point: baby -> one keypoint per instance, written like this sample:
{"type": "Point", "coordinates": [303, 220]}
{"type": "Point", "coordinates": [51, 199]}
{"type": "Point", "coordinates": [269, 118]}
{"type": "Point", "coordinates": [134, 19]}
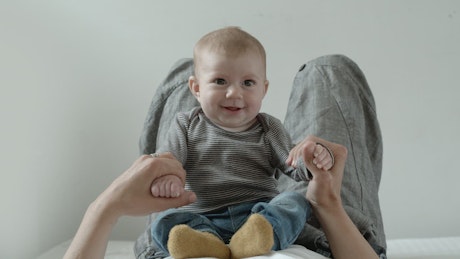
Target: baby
{"type": "Point", "coordinates": [232, 153]}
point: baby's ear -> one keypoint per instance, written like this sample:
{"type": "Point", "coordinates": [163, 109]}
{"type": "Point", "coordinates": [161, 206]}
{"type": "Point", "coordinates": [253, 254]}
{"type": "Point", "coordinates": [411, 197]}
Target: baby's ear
{"type": "Point", "coordinates": [266, 83]}
{"type": "Point", "coordinates": [194, 86]}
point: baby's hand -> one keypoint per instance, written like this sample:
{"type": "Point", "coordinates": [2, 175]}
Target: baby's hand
{"type": "Point", "coordinates": [322, 157]}
{"type": "Point", "coordinates": [168, 186]}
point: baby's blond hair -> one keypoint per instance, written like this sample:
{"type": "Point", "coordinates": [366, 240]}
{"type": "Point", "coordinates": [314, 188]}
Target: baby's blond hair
{"type": "Point", "coordinates": [232, 41]}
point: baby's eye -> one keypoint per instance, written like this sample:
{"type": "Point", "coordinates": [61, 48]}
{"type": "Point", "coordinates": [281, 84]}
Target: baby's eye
{"type": "Point", "coordinates": [249, 82]}
{"type": "Point", "coordinates": [220, 81]}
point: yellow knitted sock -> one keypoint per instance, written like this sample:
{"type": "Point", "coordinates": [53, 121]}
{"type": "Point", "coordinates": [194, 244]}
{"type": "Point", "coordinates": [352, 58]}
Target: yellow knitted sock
{"type": "Point", "coordinates": [254, 238]}
{"type": "Point", "coordinates": [185, 242]}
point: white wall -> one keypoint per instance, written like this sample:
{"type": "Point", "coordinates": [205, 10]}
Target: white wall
{"type": "Point", "coordinates": [77, 77]}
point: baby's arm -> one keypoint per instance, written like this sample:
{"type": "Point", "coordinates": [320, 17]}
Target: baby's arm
{"type": "Point", "coordinates": [168, 186]}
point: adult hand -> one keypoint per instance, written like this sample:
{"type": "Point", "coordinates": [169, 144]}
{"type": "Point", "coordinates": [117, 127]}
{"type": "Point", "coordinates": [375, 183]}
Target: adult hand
{"type": "Point", "coordinates": [324, 189]}
{"type": "Point", "coordinates": [323, 192]}
{"type": "Point", "coordinates": [130, 194]}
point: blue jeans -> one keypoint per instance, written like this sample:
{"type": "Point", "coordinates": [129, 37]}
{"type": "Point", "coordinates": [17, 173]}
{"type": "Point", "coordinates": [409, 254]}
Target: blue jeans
{"type": "Point", "coordinates": [287, 213]}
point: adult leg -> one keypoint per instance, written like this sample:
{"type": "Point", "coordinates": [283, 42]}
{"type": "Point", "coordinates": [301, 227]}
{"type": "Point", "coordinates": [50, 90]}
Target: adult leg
{"type": "Point", "coordinates": [171, 97]}
{"type": "Point", "coordinates": [331, 99]}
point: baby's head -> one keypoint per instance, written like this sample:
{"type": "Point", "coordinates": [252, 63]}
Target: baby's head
{"type": "Point", "coordinates": [230, 77]}
{"type": "Point", "coordinates": [228, 41]}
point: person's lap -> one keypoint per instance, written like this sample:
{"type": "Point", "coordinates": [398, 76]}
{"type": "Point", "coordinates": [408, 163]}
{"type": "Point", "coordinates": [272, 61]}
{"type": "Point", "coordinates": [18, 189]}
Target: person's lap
{"type": "Point", "coordinates": [330, 99]}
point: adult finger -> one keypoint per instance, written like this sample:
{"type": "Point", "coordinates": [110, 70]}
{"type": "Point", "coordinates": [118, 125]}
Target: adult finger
{"type": "Point", "coordinates": [163, 164]}
{"type": "Point", "coordinates": [339, 152]}
{"type": "Point", "coordinates": [160, 204]}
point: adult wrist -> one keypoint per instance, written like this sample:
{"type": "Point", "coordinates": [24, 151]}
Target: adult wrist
{"type": "Point", "coordinates": [103, 211]}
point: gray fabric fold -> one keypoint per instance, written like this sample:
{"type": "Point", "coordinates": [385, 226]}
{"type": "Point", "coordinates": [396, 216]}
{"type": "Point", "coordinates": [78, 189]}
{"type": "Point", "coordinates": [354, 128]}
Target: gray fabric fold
{"type": "Point", "coordinates": [331, 99]}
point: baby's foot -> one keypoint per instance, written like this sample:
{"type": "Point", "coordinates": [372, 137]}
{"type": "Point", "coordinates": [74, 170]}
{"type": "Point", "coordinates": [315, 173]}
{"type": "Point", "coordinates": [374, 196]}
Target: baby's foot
{"type": "Point", "coordinates": [167, 186]}
{"type": "Point", "coordinates": [254, 238]}
{"type": "Point", "coordinates": [185, 242]}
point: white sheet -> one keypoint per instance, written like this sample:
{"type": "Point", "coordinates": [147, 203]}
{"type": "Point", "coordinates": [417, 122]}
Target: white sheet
{"type": "Point", "coordinates": [293, 252]}
{"type": "Point", "coordinates": [424, 248]}
{"type": "Point", "coordinates": [420, 248]}
{"type": "Point", "coordinates": [124, 250]}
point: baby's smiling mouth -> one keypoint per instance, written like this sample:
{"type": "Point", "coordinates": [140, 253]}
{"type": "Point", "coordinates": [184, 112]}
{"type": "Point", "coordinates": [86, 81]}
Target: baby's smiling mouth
{"type": "Point", "coordinates": [232, 108]}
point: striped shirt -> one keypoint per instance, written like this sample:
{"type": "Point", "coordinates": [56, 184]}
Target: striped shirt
{"type": "Point", "coordinates": [225, 168]}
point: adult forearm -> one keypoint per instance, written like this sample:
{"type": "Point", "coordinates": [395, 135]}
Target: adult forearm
{"type": "Point", "coordinates": [344, 238]}
{"type": "Point", "coordinates": [92, 237]}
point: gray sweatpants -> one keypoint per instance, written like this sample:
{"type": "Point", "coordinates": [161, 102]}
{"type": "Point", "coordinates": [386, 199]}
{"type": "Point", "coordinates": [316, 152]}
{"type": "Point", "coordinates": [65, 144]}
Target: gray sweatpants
{"type": "Point", "coordinates": [330, 99]}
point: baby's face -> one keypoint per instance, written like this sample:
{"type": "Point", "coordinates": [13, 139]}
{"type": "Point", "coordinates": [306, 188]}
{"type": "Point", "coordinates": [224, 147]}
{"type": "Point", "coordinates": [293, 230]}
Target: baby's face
{"type": "Point", "coordinates": [230, 89]}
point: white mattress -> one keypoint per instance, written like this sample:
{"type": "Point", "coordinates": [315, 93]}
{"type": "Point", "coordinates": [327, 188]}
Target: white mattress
{"type": "Point", "coordinates": [124, 250]}
{"type": "Point", "coordinates": [424, 248]}
{"type": "Point", "coordinates": [420, 248]}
